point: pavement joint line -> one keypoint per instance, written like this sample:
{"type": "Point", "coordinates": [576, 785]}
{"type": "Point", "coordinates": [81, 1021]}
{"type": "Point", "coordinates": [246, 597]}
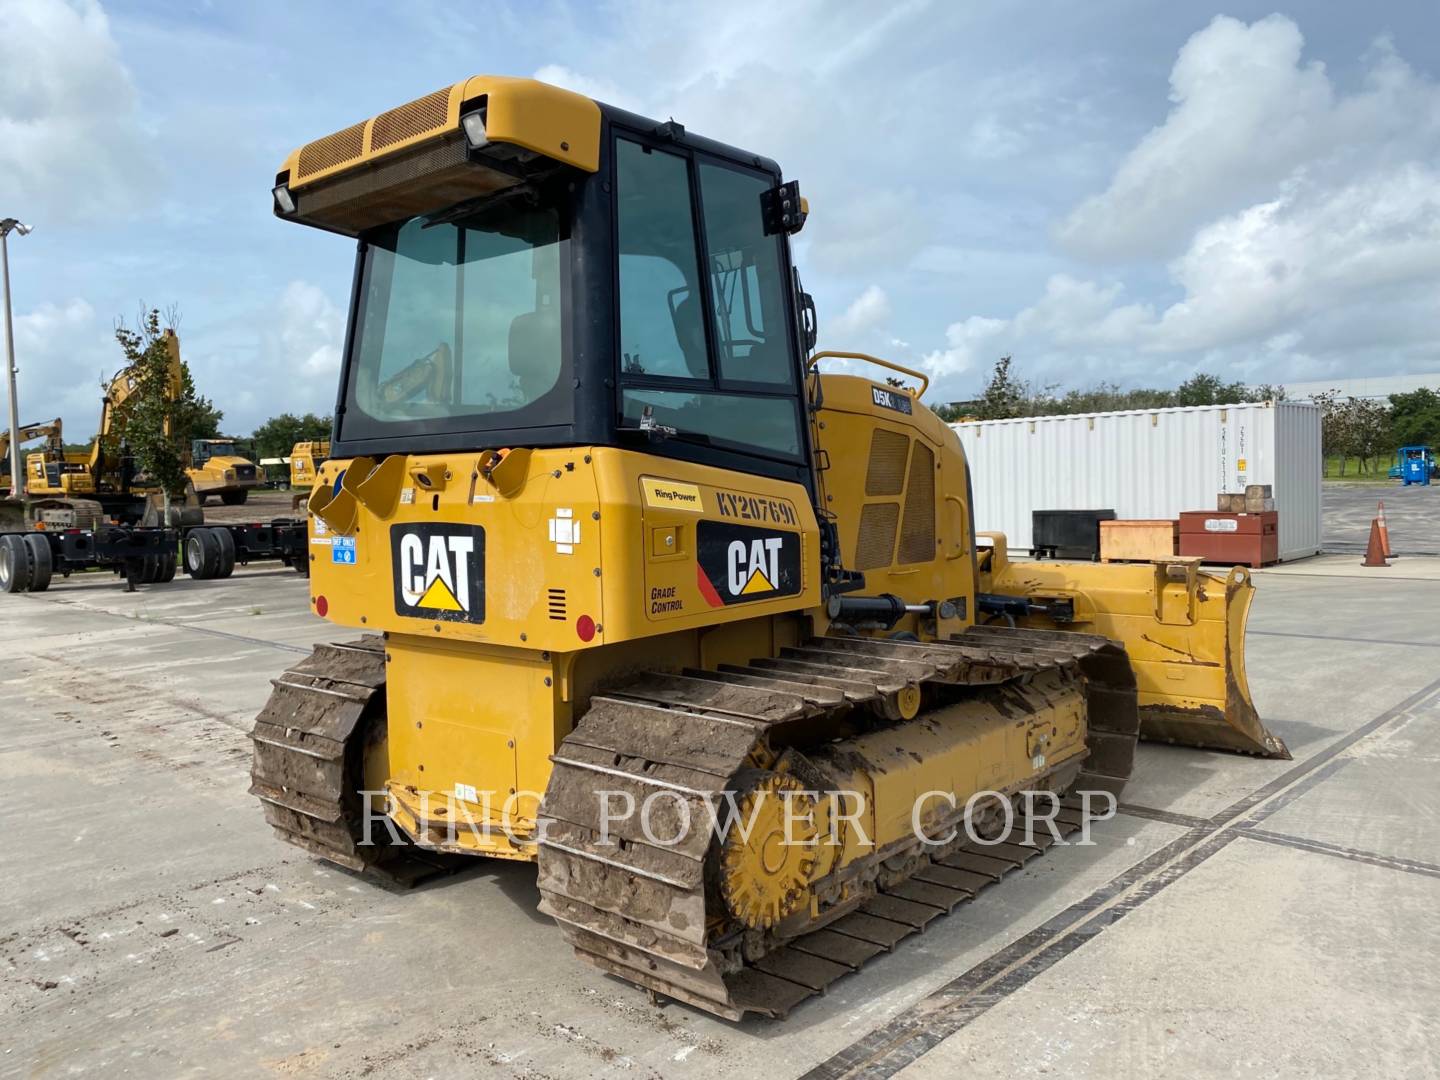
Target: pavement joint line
{"type": "Point", "coordinates": [1321, 759]}
{"type": "Point", "coordinates": [928, 1022]}
{"type": "Point", "coordinates": [1150, 813]}
{"type": "Point", "coordinates": [1321, 847]}
{"type": "Point", "coordinates": [176, 625]}
{"type": "Point", "coordinates": [1352, 640]}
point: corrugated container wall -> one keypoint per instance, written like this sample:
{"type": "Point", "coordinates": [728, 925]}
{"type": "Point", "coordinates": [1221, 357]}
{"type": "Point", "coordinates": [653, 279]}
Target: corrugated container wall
{"type": "Point", "coordinates": [1148, 464]}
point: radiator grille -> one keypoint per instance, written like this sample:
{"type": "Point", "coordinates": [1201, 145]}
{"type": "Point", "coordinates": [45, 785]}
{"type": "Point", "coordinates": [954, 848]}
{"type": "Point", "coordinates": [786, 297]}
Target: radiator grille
{"type": "Point", "coordinates": [556, 602]}
{"type": "Point", "coordinates": [330, 151]}
{"type": "Point", "coordinates": [427, 114]}
{"type": "Point", "coordinates": [917, 539]}
{"type": "Point", "coordinates": [886, 474]}
{"type": "Point", "coordinates": [875, 544]}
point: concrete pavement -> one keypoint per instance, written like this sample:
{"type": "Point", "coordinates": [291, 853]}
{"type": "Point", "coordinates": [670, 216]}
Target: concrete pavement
{"type": "Point", "coordinates": [1240, 916]}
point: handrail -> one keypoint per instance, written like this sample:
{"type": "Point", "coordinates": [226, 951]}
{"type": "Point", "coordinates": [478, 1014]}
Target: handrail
{"type": "Point", "coordinates": [924, 379]}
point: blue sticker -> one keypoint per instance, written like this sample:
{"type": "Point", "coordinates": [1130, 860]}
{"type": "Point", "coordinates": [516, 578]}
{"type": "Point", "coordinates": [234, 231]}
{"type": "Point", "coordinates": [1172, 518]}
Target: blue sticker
{"type": "Point", "coordinates": [342, 550]}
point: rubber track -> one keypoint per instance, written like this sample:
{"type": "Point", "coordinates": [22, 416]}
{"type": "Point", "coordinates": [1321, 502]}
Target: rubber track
{"type": "Point", "coordinates": [639, 911]}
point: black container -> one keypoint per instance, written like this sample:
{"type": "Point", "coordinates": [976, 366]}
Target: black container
{"type": "Point", "coordinates": [1067, 534]}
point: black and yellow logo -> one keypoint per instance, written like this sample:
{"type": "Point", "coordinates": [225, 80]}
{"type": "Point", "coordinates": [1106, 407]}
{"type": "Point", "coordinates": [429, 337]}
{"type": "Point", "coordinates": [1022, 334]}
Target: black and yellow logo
{"type": "Point", "coordinates": [439, 571]}
{"type": "Point", "coordinates": [737, 563]}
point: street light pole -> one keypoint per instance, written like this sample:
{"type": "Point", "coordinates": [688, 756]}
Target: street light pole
{"type": "Point", "coordinates": [17, 476]}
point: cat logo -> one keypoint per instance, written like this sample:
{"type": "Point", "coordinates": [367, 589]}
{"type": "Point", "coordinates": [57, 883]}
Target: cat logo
{"type": "Point", "coordinates": [737, 563]}
{"type": "Point", "coordinates": [439, 571]}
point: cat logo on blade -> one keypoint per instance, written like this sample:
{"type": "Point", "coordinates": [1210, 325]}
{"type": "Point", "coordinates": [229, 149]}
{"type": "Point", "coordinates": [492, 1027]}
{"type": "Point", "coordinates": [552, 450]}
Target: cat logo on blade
{"type": "Point", "coordinates": [439, 571]}
{"type": "Point", "coordinates": [737, 564]}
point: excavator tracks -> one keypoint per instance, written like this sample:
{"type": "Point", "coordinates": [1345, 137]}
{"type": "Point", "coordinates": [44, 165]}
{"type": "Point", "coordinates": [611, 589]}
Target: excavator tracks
{"type": "Point", "coordinates": [654, 916]}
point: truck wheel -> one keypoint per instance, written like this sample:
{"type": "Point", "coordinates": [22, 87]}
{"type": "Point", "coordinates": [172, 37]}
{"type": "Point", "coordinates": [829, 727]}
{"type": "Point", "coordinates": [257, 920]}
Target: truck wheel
{"type": "Point", "coordinates": [167, 569]}
{"type": "Point", "coordinates": [41, 564]}
{"type": "Point", "coordinates": [14, 564]}
{"type": "Point", "coordinates": [301, 563]}
{"type": "Point", "coordinates": [202, 554]}
{"type": "Point", "coordinates": [234, 498]}
{"type": "Point", "coordinates": [227, 551]}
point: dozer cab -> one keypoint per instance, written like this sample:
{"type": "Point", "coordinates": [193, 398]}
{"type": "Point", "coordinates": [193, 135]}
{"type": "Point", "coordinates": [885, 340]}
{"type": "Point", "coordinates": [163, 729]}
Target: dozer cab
{"type": "Point", "coordinates": [633, 564]}
{"type": "Point", "coordinates": [219, 468]}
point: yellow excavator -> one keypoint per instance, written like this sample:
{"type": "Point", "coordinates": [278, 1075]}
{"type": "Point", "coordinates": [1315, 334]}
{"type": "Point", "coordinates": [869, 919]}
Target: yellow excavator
{"type": "Point", "coordinates": [52, 431]}
{"type": "Point", "coordinates": [634, 563]}
{"type": "Point", "coordinates": [82, 489]}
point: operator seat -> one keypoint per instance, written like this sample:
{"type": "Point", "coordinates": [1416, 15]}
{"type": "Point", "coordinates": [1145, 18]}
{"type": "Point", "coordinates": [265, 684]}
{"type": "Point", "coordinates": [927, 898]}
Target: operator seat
{"type": "Point", "coordinates": [535, 351]}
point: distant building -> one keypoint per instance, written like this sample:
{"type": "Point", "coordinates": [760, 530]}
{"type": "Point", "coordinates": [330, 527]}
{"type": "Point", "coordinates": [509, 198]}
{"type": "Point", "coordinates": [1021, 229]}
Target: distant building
{"type": "Point", "coordinates": [1377, 386]}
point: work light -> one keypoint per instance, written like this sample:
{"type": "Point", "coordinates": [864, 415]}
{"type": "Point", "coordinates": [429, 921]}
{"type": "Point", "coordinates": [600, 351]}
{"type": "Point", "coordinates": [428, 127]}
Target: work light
{"type": "Point", "coordinates": [474, 125]}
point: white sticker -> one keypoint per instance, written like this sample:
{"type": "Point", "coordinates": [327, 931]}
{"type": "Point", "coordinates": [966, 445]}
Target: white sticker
{"type": "Point", "coordinates": [323, 541]}
{"type": "Point", "coordinates": [321, 529]}
{"type": "Point", "coordinates": [407, 496]}
{"type": "Point", "coordinates": [1221, 525]}
{"type": "Point", "coordinates": [564, 531]}
{"type": "Point", "coordinates": [483, 498]}
{"type": "Point", "coordinates": [467, 792]}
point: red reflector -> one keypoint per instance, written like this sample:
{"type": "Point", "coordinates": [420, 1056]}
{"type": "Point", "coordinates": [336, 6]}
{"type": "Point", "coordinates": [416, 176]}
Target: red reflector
{"type": "Point", "coordinates": [322, 606]}
{"type": "Point", "coordinates": [585, 628]}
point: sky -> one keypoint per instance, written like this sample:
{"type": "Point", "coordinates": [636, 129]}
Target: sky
{"type": "Point", "coordinates": [1118, 190]}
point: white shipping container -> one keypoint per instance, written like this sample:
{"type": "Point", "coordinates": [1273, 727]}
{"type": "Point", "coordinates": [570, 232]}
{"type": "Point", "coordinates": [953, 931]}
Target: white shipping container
{"type": "Point", "coordinates": [1148, 463]}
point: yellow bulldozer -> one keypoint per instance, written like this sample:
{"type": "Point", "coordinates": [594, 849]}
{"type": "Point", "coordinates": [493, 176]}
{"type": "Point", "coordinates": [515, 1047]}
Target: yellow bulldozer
{"type": "Point", "coordinates": [636, 564]}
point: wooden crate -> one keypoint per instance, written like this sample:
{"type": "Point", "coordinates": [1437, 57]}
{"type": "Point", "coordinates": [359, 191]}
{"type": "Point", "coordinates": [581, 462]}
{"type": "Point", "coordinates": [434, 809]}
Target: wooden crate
{"type": "Point", "coordinates": [1140, 541]}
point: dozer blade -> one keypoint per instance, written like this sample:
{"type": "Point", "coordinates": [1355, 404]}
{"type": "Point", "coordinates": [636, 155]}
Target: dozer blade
{"type": "Point", "coordinates": [1183, 628]}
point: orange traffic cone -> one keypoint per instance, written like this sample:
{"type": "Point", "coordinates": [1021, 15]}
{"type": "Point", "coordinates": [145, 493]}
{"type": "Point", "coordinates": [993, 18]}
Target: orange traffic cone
{"type": "Point", "coordinates": [1384, 532]}
{"type": "Point", "coordinates": [1375, 551]}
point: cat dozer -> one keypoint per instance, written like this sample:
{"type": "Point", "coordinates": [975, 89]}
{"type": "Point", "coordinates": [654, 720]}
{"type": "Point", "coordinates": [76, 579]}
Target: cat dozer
{"type": "Point", "coordinates": [658, 599]}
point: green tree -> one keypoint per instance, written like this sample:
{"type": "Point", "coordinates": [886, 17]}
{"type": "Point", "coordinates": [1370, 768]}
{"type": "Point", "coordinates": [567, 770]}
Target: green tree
{"type": "Point", "coordinates": [1415, 418]}
{"type": "Point", "coordinates": [276, 436]}
{"type": "Point", "coordinates": [1202, 388]}
{"type": "Point", "coordinates": [1004, 395]}
{"type": "Point", "coordinates": [164, 409]}
{"type": "Point", "coordinates": [1367, 430]}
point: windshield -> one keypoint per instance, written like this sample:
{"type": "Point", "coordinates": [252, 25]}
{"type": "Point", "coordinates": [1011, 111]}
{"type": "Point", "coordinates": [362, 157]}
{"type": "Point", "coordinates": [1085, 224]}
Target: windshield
{"type": "Point", "coordinates": [460, 324]}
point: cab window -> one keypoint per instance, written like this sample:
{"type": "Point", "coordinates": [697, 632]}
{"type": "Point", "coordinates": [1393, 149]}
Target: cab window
{"type": "Point", "coordinates": [703, 341]}
{"type": "Point", "coordinates": [662, 330]}
{"type": "Point", "coordinates": [746, 280]}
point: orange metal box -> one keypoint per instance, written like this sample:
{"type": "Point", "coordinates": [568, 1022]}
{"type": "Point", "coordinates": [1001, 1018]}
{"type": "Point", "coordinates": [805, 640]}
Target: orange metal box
{"type": "Point", "coordinates": [1231, 539]}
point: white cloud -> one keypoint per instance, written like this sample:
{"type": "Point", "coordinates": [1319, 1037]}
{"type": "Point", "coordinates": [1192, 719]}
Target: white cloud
{"type": "Point", "coordinates": [969, 344]}
{"type": "Point", "coordinates": [311, 330]}
{"type": "Point", "coordinates": [71, 144]}
{"type": "Point", "coordinates": [1248, 114]}
{"type": "Point", "coordinates": [866, 313]}
{"type": "Point", "coordinates": [64, 354]}
{"type": "Point", "coordinates": [1305, 224]}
